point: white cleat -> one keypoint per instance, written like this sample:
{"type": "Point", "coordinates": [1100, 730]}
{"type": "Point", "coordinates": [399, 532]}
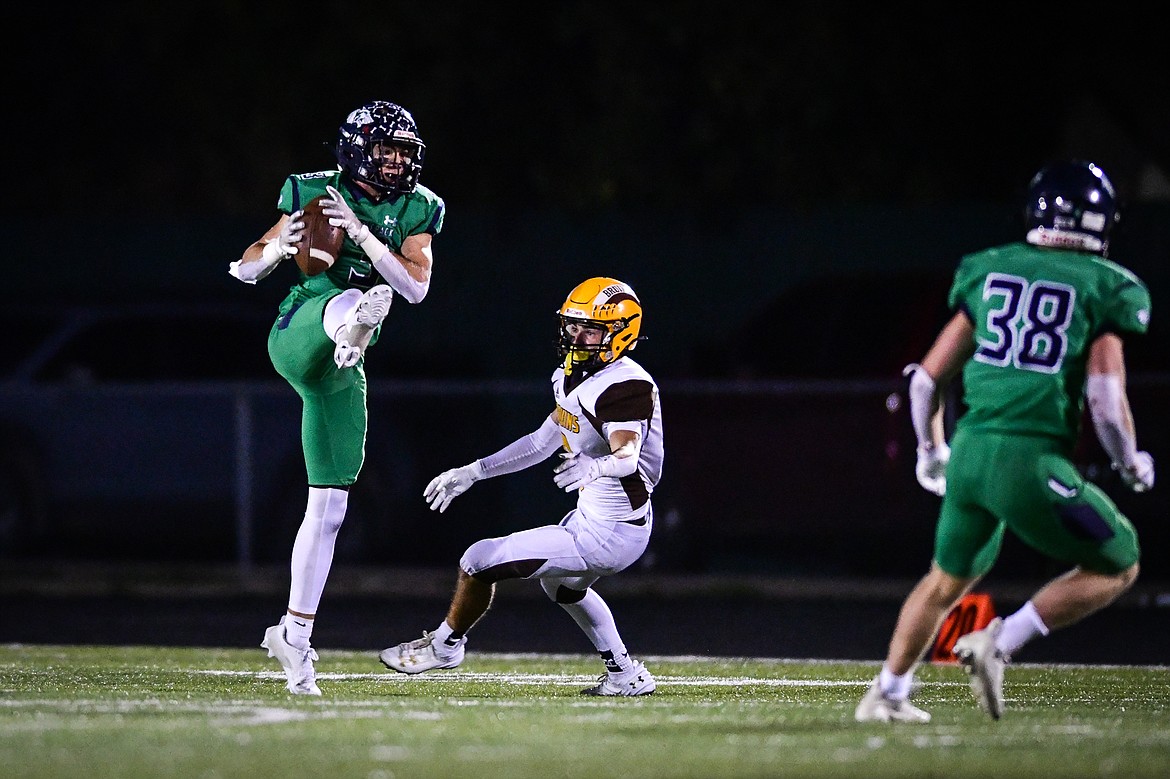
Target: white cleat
{"type": "Point", "coordinates": [984, 662]}
{"type": "Point", "coordinates": [354, 336]}
{"type": "Point", "coordinates": [415, 657]}
{"type": "Point", "coordinates": [297, 663]}
{"type": "Point", "coordinates": [636, 681]}
{"type": "Point", "coordinates": [876, 707]}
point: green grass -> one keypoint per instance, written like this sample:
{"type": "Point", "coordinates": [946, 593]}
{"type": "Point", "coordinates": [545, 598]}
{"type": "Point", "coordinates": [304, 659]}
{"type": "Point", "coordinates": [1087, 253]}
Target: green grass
{"type": "Point", "coordinates": [153, 712]}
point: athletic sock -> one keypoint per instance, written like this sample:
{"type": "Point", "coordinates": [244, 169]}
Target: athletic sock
{"type": "Point", "coordinates": [617, 662]}
{"type": "Point", "coordinates": [893, 686]}
{"type": "Point", "coordinates": [445, 639]}
{"type": "Point", "coordinates": [1020, 628]}
{"type": "Point", "coordinates": [297, 630]}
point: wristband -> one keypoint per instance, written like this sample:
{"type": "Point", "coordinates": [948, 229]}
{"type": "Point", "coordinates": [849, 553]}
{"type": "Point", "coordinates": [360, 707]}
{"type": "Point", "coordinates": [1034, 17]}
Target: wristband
{"type": "Point", "coordinates": [251, 272]}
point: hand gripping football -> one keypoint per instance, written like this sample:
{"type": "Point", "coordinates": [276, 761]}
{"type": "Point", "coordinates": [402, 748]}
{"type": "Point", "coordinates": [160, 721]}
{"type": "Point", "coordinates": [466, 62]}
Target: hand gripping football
{"type": "Point", "coordinates": [321, 243]}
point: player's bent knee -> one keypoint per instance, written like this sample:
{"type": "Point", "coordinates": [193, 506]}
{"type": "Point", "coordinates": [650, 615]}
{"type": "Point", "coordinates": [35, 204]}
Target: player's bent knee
{"type": "Point", "coordinates": [1127, 577]}
{"type": "Point", "coordinates": [567, 595]}
{"type": "Point", "coordinates": [944, 587]}
{"type": "Point", "coordinates": [558, 593]}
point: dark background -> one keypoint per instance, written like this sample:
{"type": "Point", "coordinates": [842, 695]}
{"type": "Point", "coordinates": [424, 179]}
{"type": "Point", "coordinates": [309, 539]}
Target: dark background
{"type": "Point", "coordinates": [788, 186]}
{"type": "Point", "coordinates": [203, 108]}
{"type": "Point", "coordinates": [717, 159]}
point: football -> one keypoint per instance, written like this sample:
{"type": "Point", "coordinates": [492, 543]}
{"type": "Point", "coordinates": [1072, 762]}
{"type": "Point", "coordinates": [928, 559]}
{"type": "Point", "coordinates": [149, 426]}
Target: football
{"type": "Point", "coordinates": [321, 242]}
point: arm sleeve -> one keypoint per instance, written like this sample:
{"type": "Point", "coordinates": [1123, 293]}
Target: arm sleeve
{"type": "Point", "coordinates": [535, 447]}
{"type": "Point", "coordinates": [393, 271]}
{"type": "Point", "coordinates": [1111, 418]}
{"type": "Point", "coordinates": [251, 272]}
{"type": "Point", "coordinates": [923, 404]}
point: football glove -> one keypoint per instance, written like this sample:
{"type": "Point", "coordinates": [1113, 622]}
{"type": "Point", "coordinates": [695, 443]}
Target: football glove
{"type": "Point", "coordinates": [449, 485]}
{"type": "Point", "coordinates": [341, 215]}
{"type": "Point", "coordinates": [579, 469]}
{"type": "Point", "coordinates": [1139, 474]}
{"type": "Point", "coordinates": [288, 242]}
{"type": "Point", "coordinates": [931, 468]}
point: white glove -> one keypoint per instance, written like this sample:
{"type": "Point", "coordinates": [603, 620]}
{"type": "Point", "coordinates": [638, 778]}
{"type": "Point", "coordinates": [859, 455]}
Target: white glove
{"type": "Point", "coordinates": [288, 242]}
{"type": "Point", "coordinates": [577, 470]}
{"type": "Point", "coordinates": [341, 215]}
{"type": "Point", "coordinates": [449, 485]}
{"type": "Point", "coordinates": [1139, 474]}
{"type": "Point", "coordinates": [931, 468]}
{"type": "Point", "coordinates": [273, 253]}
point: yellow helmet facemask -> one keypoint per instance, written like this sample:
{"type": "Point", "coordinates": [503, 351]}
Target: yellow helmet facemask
{"type": "Point", "coordinates": [608, 305]}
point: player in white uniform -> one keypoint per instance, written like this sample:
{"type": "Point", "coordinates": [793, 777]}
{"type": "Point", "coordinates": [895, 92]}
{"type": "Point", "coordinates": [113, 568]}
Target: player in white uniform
{"type": "Point", "coordinates": [608, 424]}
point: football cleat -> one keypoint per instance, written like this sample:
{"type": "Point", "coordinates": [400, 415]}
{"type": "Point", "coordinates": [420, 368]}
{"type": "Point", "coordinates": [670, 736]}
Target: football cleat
{"type": "Point", "coordinates": [984, 662]}
{"type": "Point", "coordinates": [354, 336]}
{"type": "Point", "coordinates": [420, 655]}
{"type": "Point", "coordinates": [636, 681]}
{"type": "Point", "coordinates": [876, 707]}
{"type": "Point", "coordinates": [297, 663]}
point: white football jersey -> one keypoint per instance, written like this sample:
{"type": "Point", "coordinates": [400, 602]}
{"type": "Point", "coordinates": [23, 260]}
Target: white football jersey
{"type": "Point", "coordinates": [622, 395]}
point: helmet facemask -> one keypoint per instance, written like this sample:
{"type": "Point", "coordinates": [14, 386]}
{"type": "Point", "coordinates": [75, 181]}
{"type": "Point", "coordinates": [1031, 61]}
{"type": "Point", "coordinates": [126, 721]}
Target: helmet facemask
{"type": "Point", "coordinates": [365, 139]}
{"type": "Point", "coordinates": [605, 307]}
{"type": "Point", "coordinates": [587, 356]}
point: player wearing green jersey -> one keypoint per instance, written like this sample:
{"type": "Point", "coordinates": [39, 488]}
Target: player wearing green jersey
{"type": "Point", "coordinates": [326, 322]}
{"type": "Point", "coordinates": [1038, 330]}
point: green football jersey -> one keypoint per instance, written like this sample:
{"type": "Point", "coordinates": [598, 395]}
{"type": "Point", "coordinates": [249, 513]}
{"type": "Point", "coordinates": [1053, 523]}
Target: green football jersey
{"type": "Point", "coordinates": [1035, 312]}
{"type": "Point", "coordinates": [391, 220]}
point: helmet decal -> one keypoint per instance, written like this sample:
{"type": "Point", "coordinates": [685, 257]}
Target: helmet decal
{"type": "Point", "coordinates": [604, 305]}
{"type": "Point", "coordinates": [361, 141]}
{"type": "Point", "coordinates": [1071, 205]}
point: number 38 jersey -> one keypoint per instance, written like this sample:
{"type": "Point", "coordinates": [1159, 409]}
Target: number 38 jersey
{"type": "Point", "coordinates": [1035, 313]}
{"type": "Point", "coordinates": [622, 395]}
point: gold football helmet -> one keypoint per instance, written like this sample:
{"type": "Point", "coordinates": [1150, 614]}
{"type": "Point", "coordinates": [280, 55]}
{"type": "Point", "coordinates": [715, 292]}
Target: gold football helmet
{"type": "Point", "coordinates": [604, 304]}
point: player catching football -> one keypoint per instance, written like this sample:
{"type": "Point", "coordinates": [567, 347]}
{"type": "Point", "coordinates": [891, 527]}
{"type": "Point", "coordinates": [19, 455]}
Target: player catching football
{"type": "Point", "coordinates": [608, 424]}
{"type": "Point", "coordinates": [1038, 329]}
{"type": "Point", "coordinates": [327, 321]}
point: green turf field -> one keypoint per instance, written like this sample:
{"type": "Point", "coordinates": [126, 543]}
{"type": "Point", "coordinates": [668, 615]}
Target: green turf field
{"type": "Point", "coordinates": [110, 712]}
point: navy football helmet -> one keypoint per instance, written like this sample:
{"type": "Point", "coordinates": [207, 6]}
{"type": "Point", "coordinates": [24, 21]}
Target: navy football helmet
{"type": "Point", "coordinates": [361, 141]}
{"type": "Point", "coordinates": [1071, 205]}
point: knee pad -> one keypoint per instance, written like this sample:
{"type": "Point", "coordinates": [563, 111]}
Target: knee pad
{"type": "Point", "coordinates": [487, 560]}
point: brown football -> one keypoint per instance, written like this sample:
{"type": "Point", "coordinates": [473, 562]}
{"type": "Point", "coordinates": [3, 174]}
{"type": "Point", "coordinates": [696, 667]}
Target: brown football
{"type": "Point", "coordinates": [321, 242]}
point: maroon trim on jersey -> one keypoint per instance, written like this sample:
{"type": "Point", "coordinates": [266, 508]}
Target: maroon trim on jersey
{"type": "Point", "coordinates": [635, 490]}
{"type": "Point", "coordinates": [513, 569]}
{"type": "Point", "coordinates": [625, 401]}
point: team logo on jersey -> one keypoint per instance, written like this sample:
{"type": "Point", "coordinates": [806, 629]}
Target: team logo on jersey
{"type": "Point", "coordinates": [567, 420]}
{"type": "Point", "coordinates": [387, 226]}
